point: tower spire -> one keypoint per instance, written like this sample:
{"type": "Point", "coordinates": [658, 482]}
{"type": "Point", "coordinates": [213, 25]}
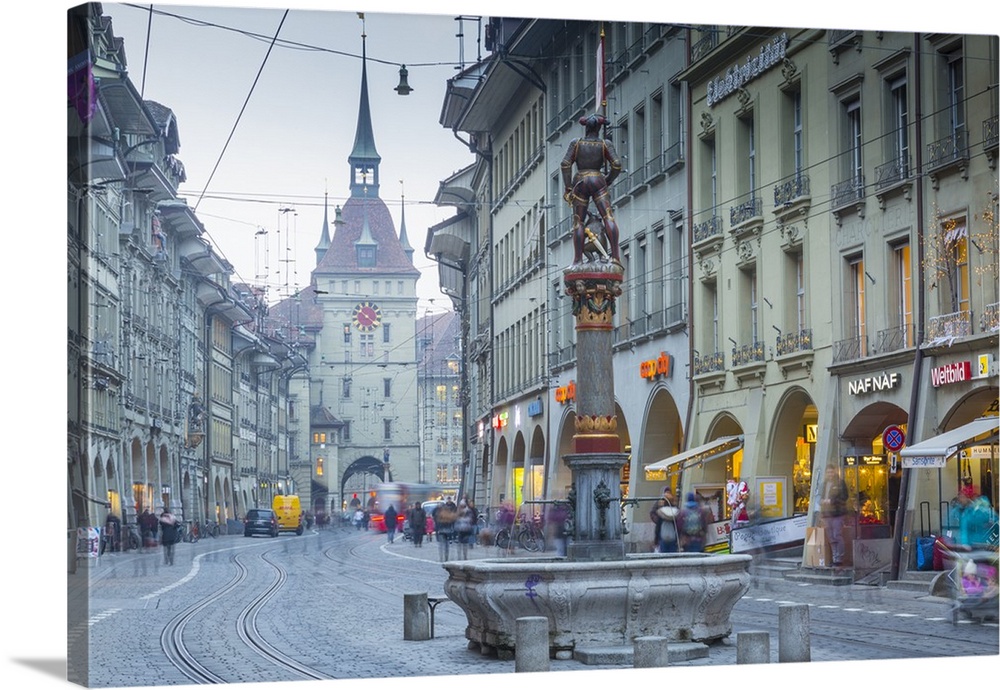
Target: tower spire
{"type": "Point", "coordinates": [364, 158]}
{"type": "Point", "coordinates": [324, 237]}
{"type": "Point", "coordinates": [404, 242]}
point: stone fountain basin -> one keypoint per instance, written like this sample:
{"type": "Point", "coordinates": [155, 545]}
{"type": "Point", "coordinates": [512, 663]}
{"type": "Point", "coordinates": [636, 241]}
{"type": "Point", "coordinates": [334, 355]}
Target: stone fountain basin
{"type": "Point", "coordinates": [685, 597]}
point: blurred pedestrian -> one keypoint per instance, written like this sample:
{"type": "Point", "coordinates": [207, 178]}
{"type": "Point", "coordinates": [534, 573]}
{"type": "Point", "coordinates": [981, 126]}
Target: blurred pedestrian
{"type": "Point", "coordinates": [975, 518]}
{"type": "Point", "coordinates": [444, 525]}
{"type": "Point", "coordinates": [147, 528]}
{"type": "Point", "coordinates": [390, 522]}
{"type": "Point", "coordinates": [833, 506]}
{"type": "Point", "coordinates": [169, 535]}
{"type": "Point", "coordinates": [418, 523]}
{"type": "Point", "coordinates": [693, 525]}
{"type": "Point", "coordinates": [664, 516]}
{"type": "Point", "coordinates": [465, 528]}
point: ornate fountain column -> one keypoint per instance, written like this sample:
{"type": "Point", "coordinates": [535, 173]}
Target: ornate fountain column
{"type": "Point", "coordinates": [597, 461]}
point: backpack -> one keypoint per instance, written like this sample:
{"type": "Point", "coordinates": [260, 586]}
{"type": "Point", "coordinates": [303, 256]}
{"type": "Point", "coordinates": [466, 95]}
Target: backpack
{"type": "Point", "coordinates": [692, 523]}
{"type": "Point", "coordinates": [668, 530]}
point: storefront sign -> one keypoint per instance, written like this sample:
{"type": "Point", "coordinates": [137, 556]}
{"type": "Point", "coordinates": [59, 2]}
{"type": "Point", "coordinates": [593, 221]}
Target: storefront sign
{"type": "Point", "coordinates": [984, 365]}
{"type": "Point", "coordinates": [980, 452]}
{"type": "Point", "coordinates": [956, 372]}
{"type": "Point", "coordinates": [661, 366]}
{"type": "Point", "coordinates": [500, 421]}
{"type": "Point", "coordinates": [566, 394]}
{"type": "Point", "coordinates": [535, 408]}
{"type": "Point", "coordinates": [923, 462]}
{"type": "Point", "coordinates": [872, 384]}
{"type": "Point", "coordinates": [863, 460]}
{"type": "Point", "coordinates": [766, 534]}
{"type": "Point", "coordinates": [737, 76]}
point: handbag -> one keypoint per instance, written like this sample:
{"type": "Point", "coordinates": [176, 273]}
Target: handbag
{"type": "Point", "coordinates": [667, 512]}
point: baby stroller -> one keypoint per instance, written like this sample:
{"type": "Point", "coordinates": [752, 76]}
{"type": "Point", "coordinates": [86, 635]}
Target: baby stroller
{"type": "Point", "coordinates": [407, 531]}
{"type": "Point", "coordinates": [973, 582]}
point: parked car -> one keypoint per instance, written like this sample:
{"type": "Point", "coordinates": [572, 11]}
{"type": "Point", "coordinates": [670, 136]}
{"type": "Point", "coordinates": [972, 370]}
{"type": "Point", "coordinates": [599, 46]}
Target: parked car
{"type": "Point", "coordinates": [260, 521]}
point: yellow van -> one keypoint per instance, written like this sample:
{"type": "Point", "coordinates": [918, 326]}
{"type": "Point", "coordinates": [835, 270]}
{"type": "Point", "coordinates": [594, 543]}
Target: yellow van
{"type": "Point", "coordinates": [289, 513]}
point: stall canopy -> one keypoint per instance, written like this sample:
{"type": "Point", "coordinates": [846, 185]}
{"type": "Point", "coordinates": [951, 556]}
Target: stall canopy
{"type": "Point", "coordinates": [937, 449]}
{"type": "Point", "coordinates": [718, 448]}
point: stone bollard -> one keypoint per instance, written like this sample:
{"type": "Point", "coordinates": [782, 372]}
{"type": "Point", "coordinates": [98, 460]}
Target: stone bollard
{"type": "Point", "coordinates": [650, 651]}
{"type": "Point", "coordinates": [416, 617]}
{"type": "Point", "coordinates": [531, 644]}
{"type": "Point", "coordinates": [793, 632]}
{"type": "Point", "coordinates": [753, 647]}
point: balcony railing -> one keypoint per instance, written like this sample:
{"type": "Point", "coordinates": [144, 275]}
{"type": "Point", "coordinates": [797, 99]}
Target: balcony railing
{"type": "Point", "coordinates": [558, 230]}
{"type": "Point", "coordinates": [711, 228]}
{"type": "Point", "coordinates": [894, 172]}
{"type": "Point", "coordinates": [989, 321]}
{"type": "Point", "coordinates": [748, 354]}
{"type": "Point", "coordinates": [947, 327]}
{"type": "Point", "coordinates": [991, 133]}
{"type": "Point", "coordinates": [787, 191]}
{"type": "Point", "coordinates": [788, 343]}
{"type": "Point", "coordinates": [675, 154]}
{"type": "Point", "coordinates": [704, 45]}
{"type": "Point", "coordinates": [712, 362]}
{"type": "Point", "coordinates": [950, 150]}
{"type": "Point", "coordinates": [893, 339]}
{"type": "Point", "coordinates": [850, 349]}
{"type": "Point", "coordinates": [751, 208]}
{"type": "Point", "coordinates": [847, 192]}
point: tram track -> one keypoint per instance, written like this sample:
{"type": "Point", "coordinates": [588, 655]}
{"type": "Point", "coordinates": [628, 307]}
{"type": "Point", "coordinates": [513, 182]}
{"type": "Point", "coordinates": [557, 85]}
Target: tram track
{"type": "Point", "coordinates": [185, 659]}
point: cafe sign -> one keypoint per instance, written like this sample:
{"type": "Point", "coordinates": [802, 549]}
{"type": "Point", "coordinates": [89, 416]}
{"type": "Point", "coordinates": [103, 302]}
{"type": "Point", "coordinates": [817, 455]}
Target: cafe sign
{"type": "Point", "coordinates": [661, 366]}
{"type": "Point", "coordinates": [566, 394]}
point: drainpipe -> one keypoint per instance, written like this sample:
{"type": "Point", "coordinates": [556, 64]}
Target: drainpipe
{"type": "Point", "coordinates": [689, 226]}
{"type": "Point", "coordinates": [918, 355]}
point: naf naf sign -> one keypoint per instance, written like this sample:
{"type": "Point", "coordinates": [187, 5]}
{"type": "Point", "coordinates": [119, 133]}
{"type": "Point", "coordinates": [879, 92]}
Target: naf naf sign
{"type": "Point", "coordinates": [872, 384]}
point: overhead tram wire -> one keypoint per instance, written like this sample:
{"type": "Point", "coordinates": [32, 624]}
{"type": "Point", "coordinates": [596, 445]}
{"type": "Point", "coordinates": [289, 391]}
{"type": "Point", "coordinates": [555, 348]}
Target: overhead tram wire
{"type": "Point", "coordinates": [242, 110]}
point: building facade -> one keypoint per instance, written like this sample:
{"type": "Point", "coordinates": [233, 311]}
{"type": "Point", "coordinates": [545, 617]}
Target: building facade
{"type": "Point", "coordinates": [174, 398]}
{"type": "Point", "coordinates": [808, 227]}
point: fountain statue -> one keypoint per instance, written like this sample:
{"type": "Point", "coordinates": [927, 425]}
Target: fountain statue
{"type": "Point", "coordinates": [596, 596]}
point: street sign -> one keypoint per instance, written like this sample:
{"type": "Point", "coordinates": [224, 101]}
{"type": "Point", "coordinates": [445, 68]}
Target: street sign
{"type": "Point", "coordinates": [893, 438]}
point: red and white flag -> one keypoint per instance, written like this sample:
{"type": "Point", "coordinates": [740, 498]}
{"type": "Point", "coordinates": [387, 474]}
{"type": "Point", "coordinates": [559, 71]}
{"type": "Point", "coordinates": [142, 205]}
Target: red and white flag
{"type": "Point", "coordinates": [600, 102]}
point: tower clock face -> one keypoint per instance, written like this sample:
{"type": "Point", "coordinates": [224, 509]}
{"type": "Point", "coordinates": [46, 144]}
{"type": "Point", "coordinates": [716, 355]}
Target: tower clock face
{"type": "Point", "coordinates": [367, 316]}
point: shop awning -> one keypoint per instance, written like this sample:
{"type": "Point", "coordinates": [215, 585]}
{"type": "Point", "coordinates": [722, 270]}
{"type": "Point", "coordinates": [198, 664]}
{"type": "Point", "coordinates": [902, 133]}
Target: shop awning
{"type": "Point", "coordinates": [933, 451]}
{"type": "Point", "coordinates": [718, 448]}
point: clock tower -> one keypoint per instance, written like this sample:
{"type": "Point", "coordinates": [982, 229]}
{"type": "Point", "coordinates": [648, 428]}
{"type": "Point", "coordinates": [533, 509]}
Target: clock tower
{"type": "Point", "coordinates": [363, 368]}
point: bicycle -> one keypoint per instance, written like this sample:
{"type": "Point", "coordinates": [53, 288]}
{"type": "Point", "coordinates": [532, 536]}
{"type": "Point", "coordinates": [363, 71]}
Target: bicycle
{"type": "Point", "coordinates": [212, 529]}
{"type": "Point", "coordinates": [525, 532]}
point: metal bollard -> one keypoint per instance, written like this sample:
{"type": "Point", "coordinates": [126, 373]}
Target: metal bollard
{"type": "Point", "coordinates": [793, 632]}
{"type": "Point", "coordinates": [416, 617]}
{"type": "Point", "coordinates": [531, 644]}
{"type": "Point", "coordinates": [753, 647]}
{"type": "Point", "coordinates": [650, 651]}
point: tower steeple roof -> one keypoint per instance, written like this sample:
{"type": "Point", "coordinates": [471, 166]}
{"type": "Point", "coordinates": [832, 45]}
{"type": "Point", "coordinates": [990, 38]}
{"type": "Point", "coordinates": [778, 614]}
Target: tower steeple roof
{"type": "Point", "coordinates": [364, 158]}
{"type": "Point", "coordinates": [324, 238]}
{"type": "Point", "coordinates": [404, 242]}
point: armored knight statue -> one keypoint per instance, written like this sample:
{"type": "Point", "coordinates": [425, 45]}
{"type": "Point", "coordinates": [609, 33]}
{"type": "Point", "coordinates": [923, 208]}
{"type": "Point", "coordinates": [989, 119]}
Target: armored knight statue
{"type": "Point", "coordinates": [589, 153]}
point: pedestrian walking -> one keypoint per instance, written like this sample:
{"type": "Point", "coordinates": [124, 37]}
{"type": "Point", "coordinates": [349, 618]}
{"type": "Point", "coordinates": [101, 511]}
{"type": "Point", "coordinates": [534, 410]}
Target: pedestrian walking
{"type": "Point", "coordinates": [444, 525]}
{"type": "Point", "coordinates": [465, 528]}
{"type": "Point", "coordinates": [390, 522]}
{"type": "Point", "coordinates": [147, 528]}
{"type": "Point", "coordinates": [693, 525]}
{"type": "Point", "coordinates": [169, 535]}
{"type": "Point", "coordinates": [833, 506]}
{"type": "Point", "coordinates": [418, 524]}
{"type": "Point", "coordinates": [664, 516]}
